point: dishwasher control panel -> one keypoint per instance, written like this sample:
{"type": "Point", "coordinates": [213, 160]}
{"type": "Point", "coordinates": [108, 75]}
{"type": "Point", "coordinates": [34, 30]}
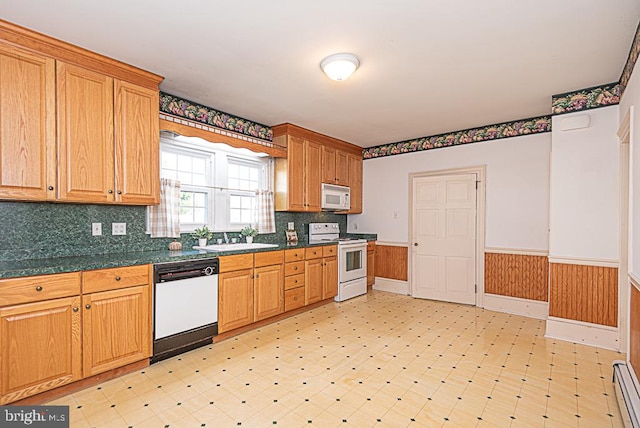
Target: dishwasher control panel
{"type": "Point", "coordinates": [186, 269]}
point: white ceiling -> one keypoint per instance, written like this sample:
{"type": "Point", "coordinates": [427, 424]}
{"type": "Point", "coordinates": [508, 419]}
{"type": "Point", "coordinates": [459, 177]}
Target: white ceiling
{"type": "Point", "coordinates": [427, 66]}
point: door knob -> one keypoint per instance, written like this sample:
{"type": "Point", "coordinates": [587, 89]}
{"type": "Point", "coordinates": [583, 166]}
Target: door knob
{"type": "Point", "coordinates": [415, 244]}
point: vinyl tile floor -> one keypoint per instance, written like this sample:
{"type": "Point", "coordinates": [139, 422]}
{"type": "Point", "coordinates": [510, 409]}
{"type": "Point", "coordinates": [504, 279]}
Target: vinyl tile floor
{"type": "Point", "coordinates": [377, 360]}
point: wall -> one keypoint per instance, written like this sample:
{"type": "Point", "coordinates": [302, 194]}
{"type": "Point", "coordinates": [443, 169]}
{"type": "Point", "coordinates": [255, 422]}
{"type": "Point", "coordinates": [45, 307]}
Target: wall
{"type": "Point", "coordinates": [517, 190]}
{"type": "Point", "coordinates": [584, 186]}
{"type": "Point", "coordinates": [40, 230]}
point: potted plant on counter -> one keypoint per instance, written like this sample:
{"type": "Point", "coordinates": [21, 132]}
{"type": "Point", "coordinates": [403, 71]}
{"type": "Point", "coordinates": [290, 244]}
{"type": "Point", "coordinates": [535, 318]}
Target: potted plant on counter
{"type": "Point", "coordinates": [202, 234]}
{"type": "Point", "coordinates": [249, 232]}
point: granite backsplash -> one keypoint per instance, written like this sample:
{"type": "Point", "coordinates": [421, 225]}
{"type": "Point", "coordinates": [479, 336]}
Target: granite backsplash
{"type": "Point", "coordinates": [43, 230]}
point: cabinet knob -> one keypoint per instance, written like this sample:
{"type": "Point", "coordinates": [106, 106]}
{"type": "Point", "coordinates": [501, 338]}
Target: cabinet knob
{"type": "Point", "coordinates": [257, 276]}
{"type": "Point", "coordinates": [50, 187]}
{"type": "Point", "coordinates": [88, 306]}
{"type": "Point", "coordinates": [38, 288]}
{"type": "Point", "coordinates": [296, 281]}
{"type": "Point", "coordinates": [118, 278]}
{"type": "Point", "coordinates": [119, 192]}
{"type": "Point", "coordinates": [76, 309]}
{"type": "Point", "coordinates": [295, 298]}
{"type": "Point", "coordinates": [109, 191]}
{"type": "Point", "coordinates": [295, 268]}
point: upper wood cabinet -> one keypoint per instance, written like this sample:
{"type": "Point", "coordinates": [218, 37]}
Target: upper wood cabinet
{"type": "Point", "coordinates": [335, 166]}
{"type": "Point", "coordinates": [355, 183]}
{"type": "Point", "coordinates": [27, 134]}
{"type": "Point", "coordinates": [312, 158]}
{"type": "Point", "coordinates": [76, 126]}
{"type": "Point", "coordinates": [298, 176]}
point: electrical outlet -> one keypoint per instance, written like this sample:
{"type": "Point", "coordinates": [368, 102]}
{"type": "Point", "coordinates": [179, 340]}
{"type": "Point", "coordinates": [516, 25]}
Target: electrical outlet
{"type": "Point", "coordinates": [118, 228]}
{"type": "Point", "coordinates": [355, 226]}
{"type": "Point", "coordinates": [290, 226]}
{"type": "Point", "coordinates": [96, 229]}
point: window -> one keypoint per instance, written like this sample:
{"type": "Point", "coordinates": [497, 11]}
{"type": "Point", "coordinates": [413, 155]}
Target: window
{"type": "Point", "coordinates": [217, 182]}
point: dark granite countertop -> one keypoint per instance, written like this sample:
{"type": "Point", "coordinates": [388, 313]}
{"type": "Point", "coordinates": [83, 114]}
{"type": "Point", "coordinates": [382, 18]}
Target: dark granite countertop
{"type": "Point", "coordinates": [18, 268]}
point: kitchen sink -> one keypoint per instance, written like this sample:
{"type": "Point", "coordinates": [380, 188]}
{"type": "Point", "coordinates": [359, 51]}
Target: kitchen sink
{"type": "Point", "coordinates": [235, 247]}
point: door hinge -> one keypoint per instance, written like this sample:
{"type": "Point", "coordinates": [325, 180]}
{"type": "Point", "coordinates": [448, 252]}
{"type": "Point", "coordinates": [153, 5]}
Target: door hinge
{"type": "Point", "coordinates": [477, 184]}
{"type": "Point", "coordinates": [476, 288]}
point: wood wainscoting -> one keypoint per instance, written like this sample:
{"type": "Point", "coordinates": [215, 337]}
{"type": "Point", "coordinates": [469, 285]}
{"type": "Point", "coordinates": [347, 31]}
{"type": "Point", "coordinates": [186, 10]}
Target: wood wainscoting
{"type": "Point", "coordinates": [634, 327]}
{"type": "Point", "coordinates": [517, 275]}
{"type": "Point", "coordinates": [392, 262]}
{"type": "Point", "coordinates": [584, 293]}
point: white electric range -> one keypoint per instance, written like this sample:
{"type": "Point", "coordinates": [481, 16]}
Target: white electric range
{"type": "Point", "coordinates": [352, 259]}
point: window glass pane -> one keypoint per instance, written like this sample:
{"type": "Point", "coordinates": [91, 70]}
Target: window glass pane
{"type": "Point", "coordinates": [184, 163]}
{"type": "Point", "coordinates": [253, 174]}
{"type": "Point", "coordinates": [234, 215]}
{"type": "Point", "coordinates": [169, 160]}
{"type": "Point", "coordinates": [199, 199]}
{"type": "Point", "coordinates": [168, 173]}
{"type": "Point", "coordinates": [246, 216]}
{"type": "Point", "coordinates": [233, 183]}
{"type": "Point", "coordinates": [199, 180]}
{"type": "Point", "coordinates": [200, 215]}
{"type": "Point", "coordinates": [184, 177]}
{"type": "Point", "coordinates": [234, 201]}
{"type": "Point", "coordinates": [199, 166]}
{"type": "Point", "coordinates": [233, 170]}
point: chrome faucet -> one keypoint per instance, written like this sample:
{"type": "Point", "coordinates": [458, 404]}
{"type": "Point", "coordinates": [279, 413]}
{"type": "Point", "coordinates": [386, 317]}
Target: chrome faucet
{"type": "Point", "coordinates": [226, 238]}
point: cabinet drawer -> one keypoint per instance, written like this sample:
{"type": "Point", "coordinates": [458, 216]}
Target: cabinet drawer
{"type": "Point", "coordinates": [115, 278]}
{"type": "Point", "coordinates": [293, 281]}
{"type": "Point", "coordinates": [36, 288]}
{"type": "Point", "coordinates": [268, 258]}
{"type": "Point", "coordinates": [293, 268]}
{"type": "Point", "coordinates": [313, 253]}
{"type": "Point", "coordinates": [293, 298]}
{"type": "Point", "coordinates": [236, 262]}
{"type": "Point", "coordinates": [293, 255]}
{"type": "Point", "coordinates": [329, 251]}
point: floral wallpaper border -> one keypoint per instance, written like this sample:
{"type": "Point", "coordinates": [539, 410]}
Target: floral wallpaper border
{"type": "Point", "coordinates": [516, 128]}
{"type": "Point", "coordinates": [585, 99]}
{"type": "Point", "coordinates": [180, 107]}
{"type": "Point", "coordinates": [634, 52]}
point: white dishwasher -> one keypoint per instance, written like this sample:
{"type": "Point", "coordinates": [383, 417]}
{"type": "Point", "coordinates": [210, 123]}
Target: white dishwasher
{"type": "Point", "coordinates": [185, 306]}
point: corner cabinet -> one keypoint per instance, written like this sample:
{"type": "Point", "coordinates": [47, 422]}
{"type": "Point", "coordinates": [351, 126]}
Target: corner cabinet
{"type": "Point", "coordinates": [312, 159]}
{"type": "Point", "coordinates": [77, 126]}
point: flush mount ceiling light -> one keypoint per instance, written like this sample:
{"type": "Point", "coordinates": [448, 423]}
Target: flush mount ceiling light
{"type": "Point", "coordinates": [340, 66]}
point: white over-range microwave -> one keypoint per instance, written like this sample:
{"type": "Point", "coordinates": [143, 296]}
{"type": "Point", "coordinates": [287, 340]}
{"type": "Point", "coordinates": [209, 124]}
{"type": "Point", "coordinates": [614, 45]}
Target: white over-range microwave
{"type": "Point", "coordinates": [335, 198]}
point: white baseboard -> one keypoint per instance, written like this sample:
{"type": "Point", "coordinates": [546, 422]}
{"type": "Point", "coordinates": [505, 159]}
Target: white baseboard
{"type": "Point", "coordinates": [516, 306]}
{"type": "Point", "coordinates": [582, 332]}
{"type": "Point", "coordinates": [391, 285]}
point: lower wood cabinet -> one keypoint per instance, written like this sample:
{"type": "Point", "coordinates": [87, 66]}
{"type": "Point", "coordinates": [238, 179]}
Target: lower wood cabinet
{"type": "Point", "coordinates": [371, 263]}
{"type": "Point", "coordinates": [313, 281]}
{"type": "Point", "coordinates": [40, 347]}
{"type": "Point", "coordinates": [329, 277]}
{"type": "Point", "coordinates": [268, 292]}
{"type": "Point", "coordinates": [115, 329]}
{"type": "Point", "coordinates": [235, 299]}
{"type": "Point", "coordinates": [57, 329]}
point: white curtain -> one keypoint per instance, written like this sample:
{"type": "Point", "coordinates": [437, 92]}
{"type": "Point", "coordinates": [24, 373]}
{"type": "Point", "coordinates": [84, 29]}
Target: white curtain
{"type": "Point", "coordinates": [265, 212]}
{"type": "Point", "coordinates": [164, 218]}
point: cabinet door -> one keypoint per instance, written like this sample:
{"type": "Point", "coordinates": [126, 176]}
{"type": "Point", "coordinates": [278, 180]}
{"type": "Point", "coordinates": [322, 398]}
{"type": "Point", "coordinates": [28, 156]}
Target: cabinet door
{"type": "Point", "coordinates": [313, 162]}
{"type": "Point", "coordinates": [371, 270]}
{"type": "Point", "coordinates": [355, 183]}
{"type": "Point", "coordinates": [235, 299]}
{"type": "Point", "coordinates": [268, 292]}
{"type": "Point", "coordinates": [329, 277]}
{"type": "Point", "coordinates": [39, 347]}
{"type": "Point", "coordinates": [328, 165]}
{"type": "Point", "coordinates": [27, 134]}
{"type": "Point", "coordinates": [313, 281]}
{"type": "Point", "coordinates": [85, 135]}
{"type": "Point", "coordinates": [296, 172]}
{"type": "Point", "coordinates": [342, 168]}
{"type": "Point", "coordinates": [137, 145]}
{"type": "Point", "coordinates": [116, 328]}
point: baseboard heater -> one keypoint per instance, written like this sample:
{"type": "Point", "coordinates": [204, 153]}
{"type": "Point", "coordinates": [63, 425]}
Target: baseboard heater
{"type": "Point", "coordinates": [626, 393]}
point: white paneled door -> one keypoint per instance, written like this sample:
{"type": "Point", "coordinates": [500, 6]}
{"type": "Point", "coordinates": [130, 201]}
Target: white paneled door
{"type": "Point", "coordinates": [443, 246]}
